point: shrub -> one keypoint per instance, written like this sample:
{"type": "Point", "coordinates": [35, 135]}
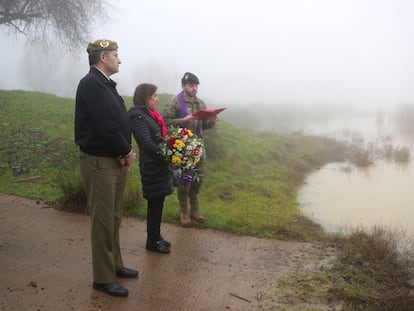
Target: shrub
{"type": "Point", "coordinates": [374, 270]}
{"type": "Point", "coordinates": [402, 155]}
{"type": "Point", "coordinates": [74, 198]}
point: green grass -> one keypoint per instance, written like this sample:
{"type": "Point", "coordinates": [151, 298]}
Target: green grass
{"type": "Point", "coordinates": [35, 135]}
{"type": "Point", "coordinates": [250, 184]}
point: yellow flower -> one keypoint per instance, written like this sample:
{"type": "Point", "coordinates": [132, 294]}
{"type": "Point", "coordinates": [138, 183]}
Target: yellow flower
{"type": "Point", "coordinates": [190, 134]}
{"type": "Point", "coordinates": [179, 144]}
{"type": "Point", "coordinates": [175, 160]}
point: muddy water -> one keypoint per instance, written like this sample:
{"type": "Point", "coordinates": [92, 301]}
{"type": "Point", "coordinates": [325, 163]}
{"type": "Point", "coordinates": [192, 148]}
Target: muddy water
{"type": "Point", "coordinates": [340, 196]}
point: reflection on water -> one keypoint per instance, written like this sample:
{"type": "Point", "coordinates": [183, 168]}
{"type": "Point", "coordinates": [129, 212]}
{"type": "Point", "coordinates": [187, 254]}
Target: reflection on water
{"type": "Point", "coordinates": [341, 196]}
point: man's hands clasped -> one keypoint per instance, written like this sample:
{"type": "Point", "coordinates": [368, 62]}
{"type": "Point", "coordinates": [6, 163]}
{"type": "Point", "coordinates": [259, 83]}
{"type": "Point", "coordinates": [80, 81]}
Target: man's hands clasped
{"type": "Point", "coordinates": [128, 159]}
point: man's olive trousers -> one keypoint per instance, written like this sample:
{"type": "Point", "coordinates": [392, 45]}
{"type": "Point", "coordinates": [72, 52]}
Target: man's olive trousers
{"type": "Point", "coordinates": [104, 182]}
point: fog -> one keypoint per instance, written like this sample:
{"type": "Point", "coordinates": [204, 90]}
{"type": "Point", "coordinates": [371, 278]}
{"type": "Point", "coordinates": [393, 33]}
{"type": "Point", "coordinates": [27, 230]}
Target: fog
{"type": "Point", "coordinates": [351, 52]}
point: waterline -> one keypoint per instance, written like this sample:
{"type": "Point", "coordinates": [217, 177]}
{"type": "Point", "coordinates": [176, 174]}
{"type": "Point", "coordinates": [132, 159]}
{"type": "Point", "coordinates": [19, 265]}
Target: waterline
{"type": "Point", "coordinates": [341, 196]}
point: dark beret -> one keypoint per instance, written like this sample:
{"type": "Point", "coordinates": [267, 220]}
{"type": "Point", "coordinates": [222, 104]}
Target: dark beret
{"type": "Point", "coordinates": [189, 78]}
{"type": "Point", "coordinates": [101, 45]}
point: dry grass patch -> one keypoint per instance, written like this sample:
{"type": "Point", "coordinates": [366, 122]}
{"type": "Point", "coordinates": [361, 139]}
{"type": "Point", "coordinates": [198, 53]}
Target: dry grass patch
{"type": "Point", "coordinates": [374, 269]}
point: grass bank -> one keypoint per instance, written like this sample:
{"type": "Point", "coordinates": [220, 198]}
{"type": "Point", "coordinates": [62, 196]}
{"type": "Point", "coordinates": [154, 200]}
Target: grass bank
{"type": "Point", "coordinates": [250, 184]}
{"type": "Point", "coordinates": [358, 270]}
{"type": "Point", "coordinates": [250, 187]}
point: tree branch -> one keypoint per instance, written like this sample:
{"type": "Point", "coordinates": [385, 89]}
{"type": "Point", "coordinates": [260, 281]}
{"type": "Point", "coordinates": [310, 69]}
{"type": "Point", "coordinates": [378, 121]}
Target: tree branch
{"type": "Point", "coordinates": [52, 21]}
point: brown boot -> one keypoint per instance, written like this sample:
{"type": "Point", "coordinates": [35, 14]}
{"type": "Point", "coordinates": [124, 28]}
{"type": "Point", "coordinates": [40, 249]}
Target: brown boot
{"type": "Point", "coordinates": [185, 220]}
{"type": "Point", "coordinates": [195, 211]}
{"type": "Point", "coordinates": [197, 217]}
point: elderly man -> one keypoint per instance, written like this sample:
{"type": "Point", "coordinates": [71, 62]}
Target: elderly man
{"type": "Point", "coordinates": [103, 134]}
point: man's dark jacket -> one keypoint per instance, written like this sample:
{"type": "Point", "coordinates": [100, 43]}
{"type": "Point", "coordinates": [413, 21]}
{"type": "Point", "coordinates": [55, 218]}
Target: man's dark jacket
{"type": "Point", "coordinates": [102, 126]}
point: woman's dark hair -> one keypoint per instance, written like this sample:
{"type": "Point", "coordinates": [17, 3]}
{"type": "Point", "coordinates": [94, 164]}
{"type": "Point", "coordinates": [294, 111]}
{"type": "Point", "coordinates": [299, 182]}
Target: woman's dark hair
{"type": "Point", "coordinates": [142, 93]}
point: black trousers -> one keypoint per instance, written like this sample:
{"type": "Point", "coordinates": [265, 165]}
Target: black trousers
{"type": "Point", "coordinates": [154, 215]}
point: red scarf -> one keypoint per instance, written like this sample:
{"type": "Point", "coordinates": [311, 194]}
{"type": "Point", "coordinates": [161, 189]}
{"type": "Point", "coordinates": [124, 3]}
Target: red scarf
{"type": "Point", "coordinates": [160, 121]}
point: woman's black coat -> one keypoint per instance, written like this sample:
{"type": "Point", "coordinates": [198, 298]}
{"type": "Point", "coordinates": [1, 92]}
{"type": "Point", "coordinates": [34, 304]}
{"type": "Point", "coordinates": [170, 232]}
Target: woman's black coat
{"type": "Point", "coordinates": [156, 177]}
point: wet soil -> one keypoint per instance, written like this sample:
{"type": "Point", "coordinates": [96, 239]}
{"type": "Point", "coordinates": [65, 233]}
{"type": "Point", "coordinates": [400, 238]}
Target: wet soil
{"type": "Point", "coordinates": [46, 265]}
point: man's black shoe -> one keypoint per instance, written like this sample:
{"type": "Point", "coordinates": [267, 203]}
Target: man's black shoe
{"type": "Point", "coordinates": [126, 273]}
{"type": "Point", "coordinates": [165, 242]}
{"type": "Point", "coordinates": [113, 289]}
{"type": "Point", "coordinates": [157, 247]}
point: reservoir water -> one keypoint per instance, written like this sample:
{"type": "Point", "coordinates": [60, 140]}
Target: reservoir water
{"type": "Point", "coordinates": [341, 196]}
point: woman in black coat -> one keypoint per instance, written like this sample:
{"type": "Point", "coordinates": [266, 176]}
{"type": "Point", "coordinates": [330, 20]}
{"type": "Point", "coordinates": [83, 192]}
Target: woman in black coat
{"type": "Point", "coordinates": [149, 130]}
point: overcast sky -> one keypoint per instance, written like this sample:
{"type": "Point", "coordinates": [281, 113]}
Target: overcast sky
{"type": "Point", "coordinates": [344, 51]}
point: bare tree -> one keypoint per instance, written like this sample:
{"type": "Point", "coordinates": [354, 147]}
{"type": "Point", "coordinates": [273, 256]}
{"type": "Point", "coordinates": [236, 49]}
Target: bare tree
{"type": "Point", "coordinates": [53, 21]}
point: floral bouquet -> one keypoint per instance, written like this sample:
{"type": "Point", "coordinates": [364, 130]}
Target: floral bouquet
{"type": "Point", "coordinates": [182, 150]}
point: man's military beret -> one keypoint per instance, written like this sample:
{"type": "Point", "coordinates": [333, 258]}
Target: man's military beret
{"type": "Point", "coordinates": [101, 45]}
{"type": "Point", "coordinates": [189, 78]}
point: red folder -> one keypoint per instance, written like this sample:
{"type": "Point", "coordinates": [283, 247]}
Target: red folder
{"type": "Point", "coordinates": [206, 113]}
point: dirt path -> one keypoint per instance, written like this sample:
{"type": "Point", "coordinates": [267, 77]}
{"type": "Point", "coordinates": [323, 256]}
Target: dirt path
{"type": "Point", "coordinates": [45, 265]}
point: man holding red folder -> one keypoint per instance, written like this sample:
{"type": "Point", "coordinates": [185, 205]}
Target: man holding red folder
{"type": "Point", "coordinates": [181, 111]}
